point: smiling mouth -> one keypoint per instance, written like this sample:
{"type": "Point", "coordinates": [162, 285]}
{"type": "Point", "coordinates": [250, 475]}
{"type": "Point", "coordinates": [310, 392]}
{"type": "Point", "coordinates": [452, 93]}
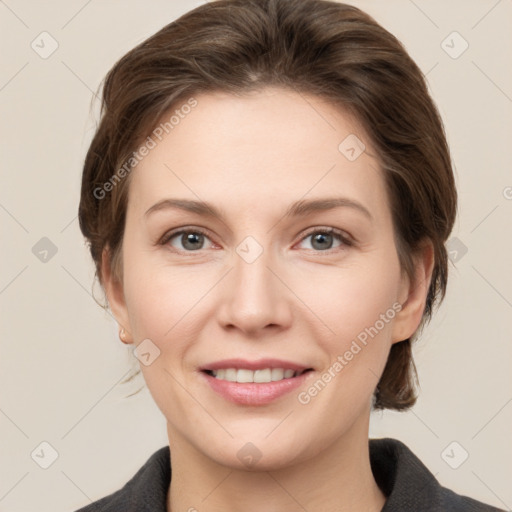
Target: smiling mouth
{"type": "Point", "coordinates": [262, 376]}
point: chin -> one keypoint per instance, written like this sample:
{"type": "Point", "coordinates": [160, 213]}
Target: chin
{"type": "Point", "coordinates": [259, 454]}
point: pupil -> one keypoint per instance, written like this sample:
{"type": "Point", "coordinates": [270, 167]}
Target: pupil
{"type": "Point", "coordinates": [321, 237]}
{"type": "Point", "coordinates": [192, 239]}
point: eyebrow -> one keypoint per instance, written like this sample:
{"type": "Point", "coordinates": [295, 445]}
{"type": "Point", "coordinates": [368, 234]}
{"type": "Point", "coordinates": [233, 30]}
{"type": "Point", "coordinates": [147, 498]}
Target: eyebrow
{"type": "Point", "coordinates": [300, 208]}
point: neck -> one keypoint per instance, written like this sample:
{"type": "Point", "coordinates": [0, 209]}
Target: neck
{"type": "Point", "coordinates": [339, 478]}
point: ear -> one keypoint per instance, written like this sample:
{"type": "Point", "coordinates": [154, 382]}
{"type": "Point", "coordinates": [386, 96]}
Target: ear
{"type": "Point", "coordinates": [115, 295]}
{"type": "Point", "coordinates": [413, 294]}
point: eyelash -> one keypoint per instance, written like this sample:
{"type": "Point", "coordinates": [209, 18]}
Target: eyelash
{"type": "Point", "coordinates": [342, 237]}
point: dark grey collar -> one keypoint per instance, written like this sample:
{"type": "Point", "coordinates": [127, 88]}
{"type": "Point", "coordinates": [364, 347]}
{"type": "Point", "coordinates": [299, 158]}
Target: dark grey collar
{"type": "Point", "coordinates": [402, 477]}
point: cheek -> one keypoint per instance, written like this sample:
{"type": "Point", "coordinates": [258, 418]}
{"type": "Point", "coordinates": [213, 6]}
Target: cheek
{"type": "Point", "coordinates": [361, 312]}
{"type": "Point", "coordinates": [161, 308]}
{"type": "Point", "coordinates": [146, 300]}
{"type": "Point", "coordinates": [158, 295]}
{"type": "Point", "coordinates": [366, 307]}
{"type": "Point", "coordinates": [359, 306]}
{"type": "Point", "coordinates": [160, 303]}
{"type": "Point", "coordinates": [169, 306]}
{"type": "Point", "coordinates": [350, 300]}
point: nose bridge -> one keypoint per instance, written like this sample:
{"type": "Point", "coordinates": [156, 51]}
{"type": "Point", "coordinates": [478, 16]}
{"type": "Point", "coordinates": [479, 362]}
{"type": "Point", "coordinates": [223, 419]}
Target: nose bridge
{"type": "Point", "coordinates": [255, 297]}
{"type": "Point", "coordinates": [252, 280]}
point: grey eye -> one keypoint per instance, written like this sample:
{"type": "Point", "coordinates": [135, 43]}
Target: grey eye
{"type": "Point", "coordinates": [189, 240]}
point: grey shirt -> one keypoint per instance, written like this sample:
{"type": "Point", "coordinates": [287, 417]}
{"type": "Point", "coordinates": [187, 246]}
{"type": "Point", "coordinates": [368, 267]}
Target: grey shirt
{"type": "Point", "coordinates": [408, 485]}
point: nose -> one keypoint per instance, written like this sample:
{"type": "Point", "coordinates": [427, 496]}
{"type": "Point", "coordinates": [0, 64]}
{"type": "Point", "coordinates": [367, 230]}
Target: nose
{"type": "Point", "coordinates": [255, 297]}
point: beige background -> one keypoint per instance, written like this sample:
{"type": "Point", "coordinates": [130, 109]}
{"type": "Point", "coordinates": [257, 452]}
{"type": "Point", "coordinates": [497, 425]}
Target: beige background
{"type": "Point", "coordinates": [61, 361]}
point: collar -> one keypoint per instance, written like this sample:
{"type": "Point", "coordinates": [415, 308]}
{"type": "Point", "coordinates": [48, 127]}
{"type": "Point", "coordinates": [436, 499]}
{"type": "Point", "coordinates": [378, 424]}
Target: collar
{"type": "Point", "coordinates": [402, 477]}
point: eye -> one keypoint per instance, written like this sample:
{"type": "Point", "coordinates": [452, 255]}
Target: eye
{"type": "Point", "coordinates": [193, 239]}
{"type": "Point", "coordinates": [190, 239]}
{"type": "Point", "coordinates": [323, 239]}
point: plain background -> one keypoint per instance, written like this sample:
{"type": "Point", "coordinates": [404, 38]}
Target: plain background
{"type": "Point", "coordinates": [61, 361]}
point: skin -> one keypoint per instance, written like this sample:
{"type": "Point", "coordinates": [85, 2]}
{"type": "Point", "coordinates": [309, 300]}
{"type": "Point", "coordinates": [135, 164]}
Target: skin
{"type": "Point", "coordinates": [251, 157]}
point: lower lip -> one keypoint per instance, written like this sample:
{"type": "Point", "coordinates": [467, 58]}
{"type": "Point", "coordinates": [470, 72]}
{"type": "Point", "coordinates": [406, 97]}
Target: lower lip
{"type": "Point", "coordinates": [254, 393]}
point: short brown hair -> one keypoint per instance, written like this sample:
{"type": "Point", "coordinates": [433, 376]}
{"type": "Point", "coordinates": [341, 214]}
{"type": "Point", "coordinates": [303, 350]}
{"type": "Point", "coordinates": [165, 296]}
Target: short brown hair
{"type": "Point", "coordinates": [325, 48]}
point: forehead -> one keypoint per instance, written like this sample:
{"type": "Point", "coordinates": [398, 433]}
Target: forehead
{"type": "Point", "coordinates": [268, 144]}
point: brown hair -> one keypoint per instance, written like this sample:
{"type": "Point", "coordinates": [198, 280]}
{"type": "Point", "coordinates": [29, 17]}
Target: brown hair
{"type": "Point", "coordinates": [324, 48]}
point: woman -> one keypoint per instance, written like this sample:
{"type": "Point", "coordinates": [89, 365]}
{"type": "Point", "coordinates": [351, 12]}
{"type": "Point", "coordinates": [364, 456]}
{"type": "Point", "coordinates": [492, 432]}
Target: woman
{"type": "Point", "coordinates": [233, 144]}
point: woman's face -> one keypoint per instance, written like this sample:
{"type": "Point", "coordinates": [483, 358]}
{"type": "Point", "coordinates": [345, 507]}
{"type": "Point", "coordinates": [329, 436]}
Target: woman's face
{"type": "Point", "coordinates": [256, 284]}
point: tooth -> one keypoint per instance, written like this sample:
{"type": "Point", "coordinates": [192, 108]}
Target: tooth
{"type": "Point", "coordinates": [277, 374]}
{"type": "Point", "coordinates": [245, 376]}
{"type": "Point", "coordinates": [230, 375]}
{"type": "Point", "coordinates": [263, 375]}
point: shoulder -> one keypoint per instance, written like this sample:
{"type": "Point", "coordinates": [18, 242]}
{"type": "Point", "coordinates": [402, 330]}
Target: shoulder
{"type": "Point", "coordinates": [455, 502]}
{"type": "Point", "coordinates": [409, 485]}
{"type": "Point", "coordinates": [145, 491]}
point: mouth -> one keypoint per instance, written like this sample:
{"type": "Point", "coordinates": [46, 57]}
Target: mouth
{"type": "Point", "coordinates": [254, 382]}
{"type": "Point", "coordinates": [261, 376]}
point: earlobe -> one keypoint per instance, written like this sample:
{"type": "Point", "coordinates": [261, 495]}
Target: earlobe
{"type": "Point", "coordinates": [115, 297]}
{"type": "Point", "coordinates": [415, 292]}
{"type": "Point", "coordinates": [124, 336]}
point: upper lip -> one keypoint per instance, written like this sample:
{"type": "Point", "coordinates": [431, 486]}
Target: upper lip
{"type": "Point", "coordinates": [259, 364]}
